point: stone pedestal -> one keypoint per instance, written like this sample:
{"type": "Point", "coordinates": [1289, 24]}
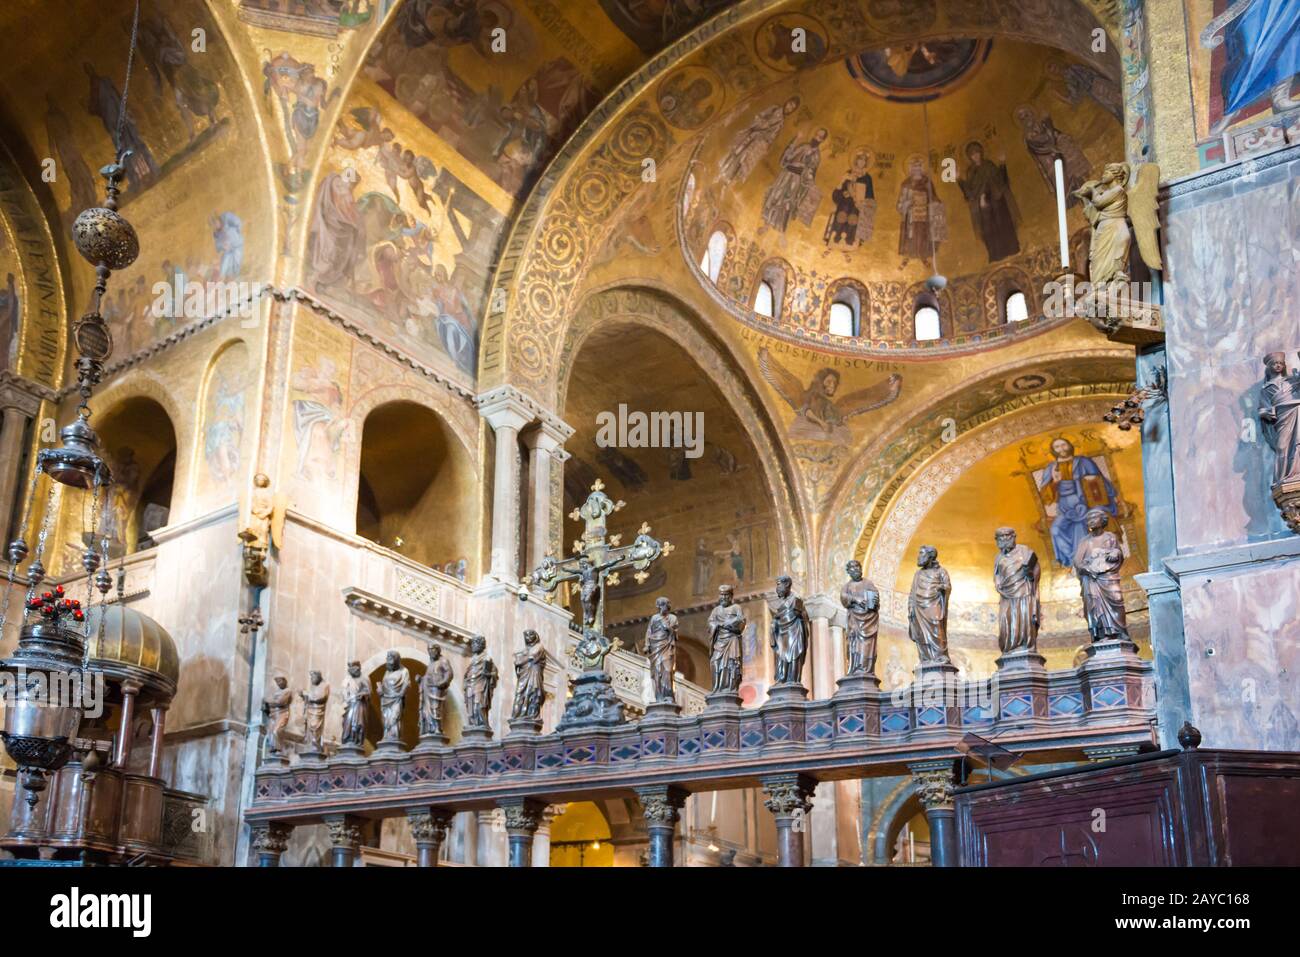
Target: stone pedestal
{"type": "Point", "coordinates": [1111, 648]}
{"type": "Point", "coordinates": [594, 703]}
{"type": "Point", "coordinates": [660, 710]}
{"type": "Point", "coordinates": [787, 691]}
{"type": "Point", "coordinates": [481, 733]}
{"type": "Point", "coordinates": [354, 752]}
{"type": "Point", "coordinates": [724, 701]}
{"type": "Point", "coordinates": [856, 685]}
{"type": "Point", "coordinates": [389, 748]}
{"type": "Point", "coordinates": [431, 741]}
{"type": "Point", "coordinates": [520, 727]}
{"type": "Point", "coordinates": [311, 757]}
{"type": "Point", "coordinates": [1022, 659]}
{"type": "Point", "coordinates": [934, 671]}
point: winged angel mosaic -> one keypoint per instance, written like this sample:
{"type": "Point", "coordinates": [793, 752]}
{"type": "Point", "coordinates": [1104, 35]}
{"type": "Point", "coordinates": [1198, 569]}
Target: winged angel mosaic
{"type": "Point", "coordinates": [819, 415]}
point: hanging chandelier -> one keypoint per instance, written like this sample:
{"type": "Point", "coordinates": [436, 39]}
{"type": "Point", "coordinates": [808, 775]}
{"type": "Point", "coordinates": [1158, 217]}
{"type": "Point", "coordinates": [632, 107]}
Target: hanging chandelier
{"type": "Point", "coordinates": [47, 671]}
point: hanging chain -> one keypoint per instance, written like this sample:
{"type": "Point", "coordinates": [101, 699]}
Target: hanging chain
{"type": "Point", "coordinates": [90, 576]}
{"type": "Point", "coordinates": [50, 509]}
{"type": "Point", "coordinates": [126, 84]}
{"type": "Point", "coordinates": [13, 557]}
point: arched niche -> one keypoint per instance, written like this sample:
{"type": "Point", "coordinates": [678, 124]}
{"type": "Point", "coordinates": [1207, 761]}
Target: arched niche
{"type": "Point", "coordinates": [138, 440]}
{"type": "Point", "coordinates": [412, 470]}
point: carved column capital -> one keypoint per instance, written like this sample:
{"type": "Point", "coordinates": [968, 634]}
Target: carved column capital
{"type": "Point", "coordinates": [344, 831]}
{"type": "Point", "coordinates": [271, 837]}
{"type": "Point", "coordinates": [789, 795]}
{"type": "Point", "coordinates": [662, 804]}
{"type": "Point", "coordinates": [430, 826]}
{"type": "Point", "coordinates": [934, 784]}
{"type": "Point", "coordinates": [523, 816]}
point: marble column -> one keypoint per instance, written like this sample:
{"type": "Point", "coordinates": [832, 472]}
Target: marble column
{"type": "Point", "coordinates": [789, 798]}
{"type": "Point", "coordinates": [523, 816]}
{"type": "Point", "coordinates": [542, 839]}
{"type": "Point", "coordinates": [826, 667]}
{"type": "Point", "coordinates": [662, 805]}
{"type": "Point", "coordinates": [129, 691]}
{"type": "Point", "coordinates": [270, 841]}
{"type": "Point", "coordinates": [345, 838]}
{"type": "Point", "coordinates": [156, 744]}
{"type": "Point", "coordinates": [429, 829]}
{"type": "Point", "coordinates": [934, 785]}
{"type": "Point", "coordinates": [545, 446]}
{"type": "Point", "coordinates": [506, 412]}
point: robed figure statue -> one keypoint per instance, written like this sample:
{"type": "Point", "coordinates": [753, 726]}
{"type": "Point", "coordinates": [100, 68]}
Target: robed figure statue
{"type": "Point", "coordinates": [790, 632]}
{"type": "Point", "coordinates": [356, 701]}
{"type": "Point", "coordinates": [927, 607]}
{"type": "Point", "coordinates": [392, 696]}
{"type": "Point", "coordinates": [433, 691]}
{"type": "Point", "coordinates": [1097, 563]}
{"type": "Point", "coordinates": [480, 682]}
{"type": "Point", "coordinates": [1279, 413]}
{"type": "Point", "coordinates": [314, 700]}
{"type": "Point", "coordinates": [530, 676]}
{"type": "Point", "coordinates": [726, 626]}
{"type": "Point", "coordinates": [861, 601]}
{"type": "Point", "coordinates": [661, 649]}
{"type": "Point", "coordinates": [1016, 574]}
{"type": "Point", "coordinates": [275, 709]}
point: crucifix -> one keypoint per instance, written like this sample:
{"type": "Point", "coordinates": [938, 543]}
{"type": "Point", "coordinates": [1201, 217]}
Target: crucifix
{"type": "Point", "coordinates": [597, 558]}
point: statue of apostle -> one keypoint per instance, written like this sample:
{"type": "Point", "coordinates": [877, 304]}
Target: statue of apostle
{"type": "Point", "coordinates": [726, 625]}
{"type": "Point", "coordinates": [314, 700]}
{"type": "Point", "coordinates": [790, 633]}
{"type": "Point", "coordinates": [356, 699]}
{"type": "Point", "coordinates": [927, 607]}
{"type": "Point", "coordinates": [861, 601]}
{"type": "Point", "coordinates": [433, 691]}
{"type": "Point", "coordinates": [392, 695]}
{"type": "Point", "coordinates": [1015, 575]}
{"type": "Point", "coordinates": [275, 709]}
{"type": "Point", "coordinates": [1097, 562]}
{"type": "Point", "coordinates": [1279, 413]}
{"type": "Point", "coordinates": [661, 649]}
{"type": "Point", "coordinates": [530, 674]}
{"type": "Point", "coordinates": [480, 682]}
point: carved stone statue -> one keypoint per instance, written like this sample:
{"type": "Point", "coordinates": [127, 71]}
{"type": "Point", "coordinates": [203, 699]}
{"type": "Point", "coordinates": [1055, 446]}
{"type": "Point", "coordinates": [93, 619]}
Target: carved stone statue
{"type": "Point", "coordinates": [314, 700]}
{"type": "Point", "coordinates": [861, 601]}
{"type": "Point", "coordinates": [265, 518]}
{"type": "Point", "coordinates": [1097, 562]}
{"type": "Point", "coordinates": [791, 631]}
{"type": "Point", "coordinates": [1122, 195]}
{"type": "Point", "coordinates": [433, 692]}
{"type": "Point", "coordinates": [356, 700]}
{"type": "Point", "coordinates": [661, 649]}
{"type": "Point", "coordinates": [480, 682]}
{"type": "Point", "coordinates": [927, 607]}
{"type": "Point", "coordinates": [530, 676]}
{"type": "Point", "coordinates": [275, 708]}
{"type": "Point", "coordinates": [1016, 574]}
{"type": "Point", "coordinates": [1279, 416]}
{"type": "Point", "coordinates": [392, 696]}
{"type": "Point", "coordinates": [726, 627]}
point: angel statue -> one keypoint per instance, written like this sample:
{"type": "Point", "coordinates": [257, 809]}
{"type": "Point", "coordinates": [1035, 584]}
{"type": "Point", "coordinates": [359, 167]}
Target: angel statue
{"type": "Point", "coordinates": [818, 414]}
{"type": "Point", "coordinates": [1123, 195]}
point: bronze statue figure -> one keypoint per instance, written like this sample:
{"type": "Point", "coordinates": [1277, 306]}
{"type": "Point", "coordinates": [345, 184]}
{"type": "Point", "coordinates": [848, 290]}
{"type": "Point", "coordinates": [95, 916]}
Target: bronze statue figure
{"type": "Point", "coordinates": [530, 675]}
{"type": "Point", "coordinates": [480, 682]}
{"type": "Point", "coordinates": [392, 696]}
{"type": "Point", "coordinates": [275, 708]}
{"type": "Point", "coordinates": [433, 691]}
{"type": "Point", "coordinates": [726, 626]}
{"type": "Point", "coordinates": [791, 631]}
{"type": "Point", "coordinates": [314, 700]}
{"type": "Point", "coordinates": [861, 601]}
{"type": "Point", "coordinates": [1016, 574]}
{"type": "Point", "coordinates": [1279, 412]}
{"type": "Point", "coordinates": [356, 700]}
{"type": "Point", "coordinates": [927, 607]}
{"type": "Point", "coordinates": [661, 649]}
{"type": "Point", "coordinates": [588, 591]}
{"type": "Point", "coordinates": [1097, 562]}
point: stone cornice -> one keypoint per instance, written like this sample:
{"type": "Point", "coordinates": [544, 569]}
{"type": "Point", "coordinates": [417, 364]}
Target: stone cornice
{"type": "Point", "coordinates": [506, 400]}
{"type": "Point", "coordinates": [25, 395]}
{"type": "Point", "coordinates": [176, 530]}
{"type": "Point", "coordinates": [1229, 172]}
{"type": "Point", "coordinates": [391, 611]}
{"type": "Point", "coordinates": [1234, 557]}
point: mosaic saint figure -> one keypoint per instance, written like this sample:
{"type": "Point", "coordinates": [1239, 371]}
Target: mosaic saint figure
{"type": "Point", "coordinates": [791, 631]}
{"type": "Point", "coordinates": [927, 606]}
{"type": "Point", "coordinates": [993, 212]}
{"type": "Point", "coordinates": [1097, 563]}
{"type": "Point", "coordinates": [1045, 143]}
{"type": "Point", "coordinates": [433, 691]}
{"type": "Point", "coordinates": [1016, 574]}
{"type": "Point", "coordinates": [1070, 486]}
{"type": "Point", "coordinates": [852, 220]}
{"type": "Point", "coordinates": [794, 193]}
{"type": "Point", "coordinates": [1261, 41]}
{"type": "Point", "coordinates": [480, 682]}
{"type": "Point", "coordinates": [530, 677]}
{"type": "Point", "coordinates": [336, 244]}
{"type": "Point", "coordinates": [819, 415]}
{"type": "Point", "coordinates": [314, 700]}
{"type": "Point", "coordinates": [392, 696]}
{"type": "Point", "coordinates": [924, 220]}
{"type": "Point", "coordinates": [275, 711]}
{"type": "Point", "coordinates": [356, 701]}
{"type": "Point", "coordinates": [726, 626]}
{"type": "Point", "coordinates": [752, 143]}
{"type": "Point", "coordinates": [661, 649]}
{"type": "Point", "coordinates": [1279, 413]}
{"type": "Point", "coordinates": [861, 601]}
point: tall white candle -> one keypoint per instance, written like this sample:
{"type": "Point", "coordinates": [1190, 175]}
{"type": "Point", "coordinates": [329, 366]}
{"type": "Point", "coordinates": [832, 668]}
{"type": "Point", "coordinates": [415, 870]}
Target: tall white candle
{"type": "Point", "coordinates": [1060, 213]}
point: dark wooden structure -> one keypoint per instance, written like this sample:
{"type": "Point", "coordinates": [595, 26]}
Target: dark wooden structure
{"type": "Point", "coordinates": [1166, 808]}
